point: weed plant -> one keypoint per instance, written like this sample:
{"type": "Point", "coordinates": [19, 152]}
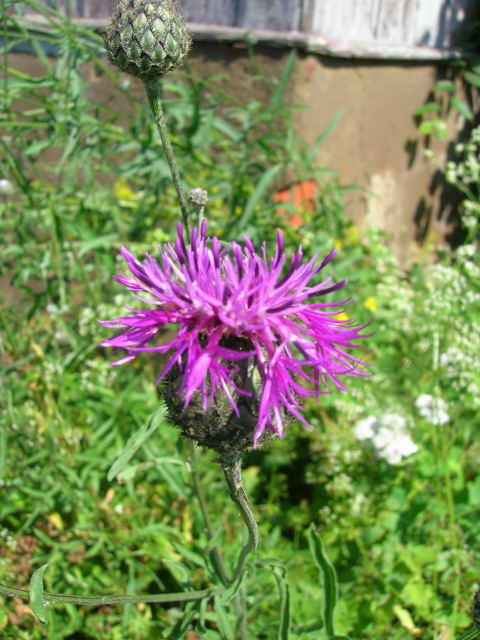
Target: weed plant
{"type": "Point", "coordinates": [399, 523]}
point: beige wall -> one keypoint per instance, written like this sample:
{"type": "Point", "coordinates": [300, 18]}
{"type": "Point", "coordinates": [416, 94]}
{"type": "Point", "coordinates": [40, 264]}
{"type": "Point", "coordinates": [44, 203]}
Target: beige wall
{"type": "Point", "coordinates": [375, 145]}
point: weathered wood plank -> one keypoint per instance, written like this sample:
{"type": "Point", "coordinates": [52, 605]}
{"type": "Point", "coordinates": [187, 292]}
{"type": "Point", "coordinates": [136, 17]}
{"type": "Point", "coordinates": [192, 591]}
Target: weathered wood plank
{"type": "Point", "coordinates": [407, 22]}
{"type": "Point", "coordinates": [274, 15]}
{"type": "Point", "coordinates": [358, 26]}
{"type": "Point", "coordinates": [208, 11]}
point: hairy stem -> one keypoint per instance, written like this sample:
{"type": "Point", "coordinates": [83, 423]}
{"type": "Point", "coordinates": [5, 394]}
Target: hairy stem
{"type": "Point", "coordinates": [233, 475]}
{"type": "Point", "coordinates": [152, 87]}
{"type": "Point", "coordinates": [52, 598]}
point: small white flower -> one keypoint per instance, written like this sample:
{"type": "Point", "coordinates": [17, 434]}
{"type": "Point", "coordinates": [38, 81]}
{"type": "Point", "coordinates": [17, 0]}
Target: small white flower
{"type": "Point", "coordinates": [6, 187]}
{"type": "Point", "coordinates": [424, 400]}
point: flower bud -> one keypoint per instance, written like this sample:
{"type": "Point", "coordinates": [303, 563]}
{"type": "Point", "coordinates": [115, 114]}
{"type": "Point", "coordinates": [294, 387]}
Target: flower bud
{"type": "Point", "coordinates": [147, 38]}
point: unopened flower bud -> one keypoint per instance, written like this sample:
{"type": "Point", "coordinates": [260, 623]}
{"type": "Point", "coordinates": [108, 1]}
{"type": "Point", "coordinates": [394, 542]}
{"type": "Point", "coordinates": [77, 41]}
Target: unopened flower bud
{"type": "Point", "coordinates": [147, 38]}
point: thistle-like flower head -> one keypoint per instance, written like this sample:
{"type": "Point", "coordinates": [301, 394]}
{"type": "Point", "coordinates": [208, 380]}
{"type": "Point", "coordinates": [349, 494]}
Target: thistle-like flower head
{"type": "Point", "coordinates": [249, 333]}
{"type": "Point", "coordinates": [147, 38]}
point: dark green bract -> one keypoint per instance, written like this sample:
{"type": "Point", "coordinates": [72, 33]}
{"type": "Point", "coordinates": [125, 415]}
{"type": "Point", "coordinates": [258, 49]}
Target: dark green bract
{"type": "Point", "coordinates": [147, 38]}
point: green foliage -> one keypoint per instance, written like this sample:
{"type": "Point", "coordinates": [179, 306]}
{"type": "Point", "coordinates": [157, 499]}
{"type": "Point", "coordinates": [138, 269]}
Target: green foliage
{"type": "Point", "coordinates": [95, 483]}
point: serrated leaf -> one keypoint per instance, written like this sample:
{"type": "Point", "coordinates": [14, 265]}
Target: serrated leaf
{"type": "Point", "coordinates": [35, 591]}
{"type": "Point", "coordinates": [135, 442]}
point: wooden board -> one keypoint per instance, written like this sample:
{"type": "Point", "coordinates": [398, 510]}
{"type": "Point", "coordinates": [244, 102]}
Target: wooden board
{"type": "Point", "coordinates": [407, 22]}
{"type": "Point", "coordinates": [273, 15]}
{"type": "Point", "coordinates": [361, 27]}
{"type": "Point", "coordinates": [221, 12]}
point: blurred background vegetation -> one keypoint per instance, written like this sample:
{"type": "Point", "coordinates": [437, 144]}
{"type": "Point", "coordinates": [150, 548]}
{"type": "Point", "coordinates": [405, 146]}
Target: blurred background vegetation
{"type": "Point", "coordinates": [77, 180]}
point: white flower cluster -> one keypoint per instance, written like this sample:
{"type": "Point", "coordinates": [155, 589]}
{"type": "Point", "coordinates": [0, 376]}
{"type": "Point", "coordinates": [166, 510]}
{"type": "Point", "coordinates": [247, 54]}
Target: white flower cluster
{"type": "Point", "coordinates": [388, 436]}
{"type": "Point", "coordinates": [459, 362]}
{"type": "Point", "coordinates": [434, 410]}
{"type": "Point", "coordinates": [88, 316]}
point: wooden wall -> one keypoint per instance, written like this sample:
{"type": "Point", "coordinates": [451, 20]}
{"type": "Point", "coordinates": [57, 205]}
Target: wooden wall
{"type": "Point", "coordinates": [341, 23]}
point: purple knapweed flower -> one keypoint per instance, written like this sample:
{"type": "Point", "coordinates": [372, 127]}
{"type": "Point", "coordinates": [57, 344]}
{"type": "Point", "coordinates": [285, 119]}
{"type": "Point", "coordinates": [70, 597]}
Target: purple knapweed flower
{"type": "Point", "coordinates": [231, 304]}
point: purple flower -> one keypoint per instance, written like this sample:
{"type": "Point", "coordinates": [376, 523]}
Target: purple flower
{"type": "Point", "coordinates": [231, 303]}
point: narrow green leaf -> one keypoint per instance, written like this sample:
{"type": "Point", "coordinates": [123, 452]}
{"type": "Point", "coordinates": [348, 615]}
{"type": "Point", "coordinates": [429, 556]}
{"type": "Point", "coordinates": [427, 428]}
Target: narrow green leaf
{"type": "Point", "coordinates": [35, 591]}
{"type": "Point", "coordinates": [319, 140]}
{"type": "Point", "coordinates": [279, 93]}
{"type": "Point", "coordinates": [95, 243]}
{"type": "Point", "coordinates": [263, 185]}
{"type": "Point", "coordinates": [462, 108]}
{"type": "Point", "coordinates": [284, 591]}
{"type": "Point", "coordinates": [232, 590]}
{"type": "Point", "coordinates": [135, 442]}
{"type": "Point", "coordinates": [223, 621]}
{"type": "Point", "coordinates": [472, 78]}
{"type": "Point", "coordinates": [330, 583]}
{"type": "Point", "coordinates": [181, 627]}
{"type": "Point", "coordinates": [37, 147]}
{"type": "Point", "coordinates": [429, 107]}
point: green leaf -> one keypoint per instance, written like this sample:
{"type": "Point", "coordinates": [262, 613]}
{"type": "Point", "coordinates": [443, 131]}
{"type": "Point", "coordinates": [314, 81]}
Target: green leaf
{"type": "Point", "coordinates": [284, 592]}
{"type": "Point", "coordinates": [472, 78]}
{"type": "Point", "coordinates": [330, 583]}
{"type": "Point", "coordinates": [263, 185]}
{"type": "Point", "coordinates": [223, 621]}
{"type": "Point", "coordinates": [135, 442]}
{"type": "Point", "coordinates": [462, 108]}
{"type": "Point", "coordinates": [95, 243]}
{"type": "Point", "coordinates": [232, 590]}
{"type": "Point", "coordinates": [320, 139]}
{"type": "Point", "coordinates": [35, 591]}
{"type": "Point", "coordinates": [445, 86]}
{"type": "Point", "coordinates": [37, 147]}
{"type": "Point", "coordinates": [429, 107]}
{"type": "Point", "coordinates": [437, 126]}
{"type": "Point", "coordinates": [279, 93]}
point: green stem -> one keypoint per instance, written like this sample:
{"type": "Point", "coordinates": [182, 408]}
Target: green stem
{"type": "Point", "coordinates": [52, 598]}
{"type": "Point", "coordinates": [232, 468]}
{"type": "Point", "coordinates": [152, 87]}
